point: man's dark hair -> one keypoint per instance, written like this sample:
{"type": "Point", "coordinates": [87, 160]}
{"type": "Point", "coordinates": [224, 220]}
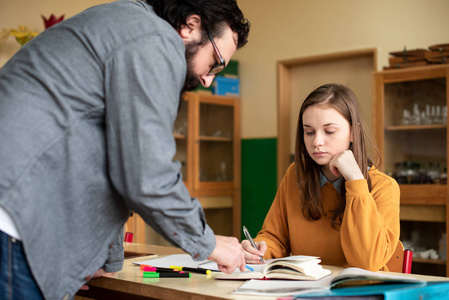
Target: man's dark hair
{"type": "Point", "coordinates": [214, 14]}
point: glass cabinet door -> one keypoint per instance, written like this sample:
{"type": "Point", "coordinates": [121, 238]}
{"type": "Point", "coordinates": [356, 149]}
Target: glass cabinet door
{"type": "Point", "coordinates": [216, 130]}
{"type": "Point", "coordinates": [415, 131]}
{"type": "Point", "coordinates": [410, 123]}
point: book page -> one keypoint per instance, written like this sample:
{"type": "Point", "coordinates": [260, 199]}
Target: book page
{"type": "Point", "coordinates": [281, 287]}
{"type": "Point", "coordinates": [247, 274]}
{"type": "Point", "coordinates": [312, 275]}
{"type": "Point", "coordinates": [292, 266]}
{"type": "Point", "coordinates": [296, 267]}
{"type": "Point", "coordinates": [357, 276]}
{"type": "Point", "coordinates": [282, 268]}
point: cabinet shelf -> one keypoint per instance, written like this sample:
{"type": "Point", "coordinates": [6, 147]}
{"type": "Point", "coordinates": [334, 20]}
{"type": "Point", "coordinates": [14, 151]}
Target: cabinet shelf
{"type": "Point", "coordinates": [217, 202]}
{"type": "Point", "coordinates": [415, 127]}
{"type": "Point", "coordinates": [179, 136]}
{"type": "Point", "coordinates": [429, 194]}
{"type": "Point", "coordinates": [215, 139]}
{"type": "Point", "coordinates": [429, 213]}
{"type": "Point", "coordinates": [428, 261]}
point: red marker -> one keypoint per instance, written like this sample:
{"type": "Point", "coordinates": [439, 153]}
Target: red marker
{"type": "Point", "coordinates": [148, 268]}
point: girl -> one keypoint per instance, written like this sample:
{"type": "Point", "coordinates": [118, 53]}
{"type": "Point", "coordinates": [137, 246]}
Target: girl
{"type": "Point", "coordinates": [332, 202]}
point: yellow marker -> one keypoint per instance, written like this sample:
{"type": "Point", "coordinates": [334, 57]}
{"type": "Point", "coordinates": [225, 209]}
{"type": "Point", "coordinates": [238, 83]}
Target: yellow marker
{"type": "Point", "coordinates": [194, 270]}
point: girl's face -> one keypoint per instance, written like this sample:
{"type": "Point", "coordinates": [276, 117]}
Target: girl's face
{"type": "Point", "coordinates": [326, 133]}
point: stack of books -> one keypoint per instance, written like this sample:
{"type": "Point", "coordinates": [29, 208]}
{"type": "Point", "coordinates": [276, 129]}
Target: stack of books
{"type": "Point", "coordinates": [438, 54]}
{"type": "Point", "coordinates": [435, 54]}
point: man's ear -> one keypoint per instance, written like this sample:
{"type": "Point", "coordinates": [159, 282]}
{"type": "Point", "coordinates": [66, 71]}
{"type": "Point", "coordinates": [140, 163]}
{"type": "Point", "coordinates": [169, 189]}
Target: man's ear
{"type": "Point", "coordinates": [192, 31]}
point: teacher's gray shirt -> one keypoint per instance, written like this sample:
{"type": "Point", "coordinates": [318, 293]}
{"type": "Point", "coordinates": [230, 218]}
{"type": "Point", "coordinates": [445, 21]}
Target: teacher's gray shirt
{"type": "Point", "coordinates": [86, 115]}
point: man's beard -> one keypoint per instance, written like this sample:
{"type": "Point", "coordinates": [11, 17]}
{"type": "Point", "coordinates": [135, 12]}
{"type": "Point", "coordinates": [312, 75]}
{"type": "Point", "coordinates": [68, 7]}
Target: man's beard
{"type": "Point", "coordinates": [192, 81]}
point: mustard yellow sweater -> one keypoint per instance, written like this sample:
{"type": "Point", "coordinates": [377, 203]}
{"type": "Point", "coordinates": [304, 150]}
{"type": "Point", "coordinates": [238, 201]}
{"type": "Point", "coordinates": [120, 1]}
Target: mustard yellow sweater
{"type": "Point", "coordinates": [368, 235]}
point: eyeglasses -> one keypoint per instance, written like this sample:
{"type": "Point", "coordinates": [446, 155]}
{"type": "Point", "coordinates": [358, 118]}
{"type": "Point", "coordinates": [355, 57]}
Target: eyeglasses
{"type": "Point", "coordinates": [220, 65]}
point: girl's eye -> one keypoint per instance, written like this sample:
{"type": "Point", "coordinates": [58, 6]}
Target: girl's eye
{"type": "Point", "coordinates": [309, 132]}
{"type": "Point", "coordinates": [330, 132]}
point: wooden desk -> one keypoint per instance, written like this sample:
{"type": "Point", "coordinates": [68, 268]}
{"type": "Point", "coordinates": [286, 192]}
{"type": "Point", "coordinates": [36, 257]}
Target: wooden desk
{"type": "Point", "coordinates": [129, 284]}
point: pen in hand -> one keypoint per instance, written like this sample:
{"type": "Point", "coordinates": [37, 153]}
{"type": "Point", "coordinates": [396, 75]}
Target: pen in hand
{"type": "Point", "coordinates": [250, 239]}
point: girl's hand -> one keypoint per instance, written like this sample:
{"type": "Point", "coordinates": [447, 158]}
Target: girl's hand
{"type": "Point", "coordinates": [252, 255]}
{"type": "Point", "coordinates": [346, 165]}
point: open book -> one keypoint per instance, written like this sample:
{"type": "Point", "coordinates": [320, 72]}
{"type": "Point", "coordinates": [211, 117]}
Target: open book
{"type": "Point", "coordinates": [357, 276]}
{"type": "Point", "coordinates": [298, 267]}
{"type": "Point", "coordinates": [349, 277]}
{"type": "Point", "coordinates": [361, 284]}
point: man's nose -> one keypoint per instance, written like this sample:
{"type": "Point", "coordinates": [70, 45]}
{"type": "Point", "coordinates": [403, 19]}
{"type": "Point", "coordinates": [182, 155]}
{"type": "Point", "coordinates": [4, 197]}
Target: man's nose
{"type": "Point", "coordinates": [206, 80]}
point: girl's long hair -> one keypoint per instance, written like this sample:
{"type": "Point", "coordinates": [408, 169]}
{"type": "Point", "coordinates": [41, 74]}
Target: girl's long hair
{"type": "Point", "coordinates": [342, 99]}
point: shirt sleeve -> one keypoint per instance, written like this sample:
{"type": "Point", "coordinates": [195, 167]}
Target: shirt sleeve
{"type": "Point", "coordinates": [142, 87]}
{"type": "Point", "coordinates": [370, 227]}
{"type": "Point", "coordinates": [275, 226]}
{"type": "Point", "coordinates": [116, 255]}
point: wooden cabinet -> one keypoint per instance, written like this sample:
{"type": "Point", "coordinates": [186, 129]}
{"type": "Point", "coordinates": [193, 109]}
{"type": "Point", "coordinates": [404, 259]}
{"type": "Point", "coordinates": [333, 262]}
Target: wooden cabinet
{"type": "Point", "coordinates": [207, 135]}
{"type": "Point", "coordinates": [410, 127]}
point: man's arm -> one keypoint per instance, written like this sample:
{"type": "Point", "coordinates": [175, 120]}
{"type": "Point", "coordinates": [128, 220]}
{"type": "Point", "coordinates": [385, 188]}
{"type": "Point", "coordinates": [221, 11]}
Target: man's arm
{"type": "Point", "coordinates": [142, 87]}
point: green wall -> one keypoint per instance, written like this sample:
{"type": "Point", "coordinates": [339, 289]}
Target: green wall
{"type": "Point", "coordinates": [258, 181]}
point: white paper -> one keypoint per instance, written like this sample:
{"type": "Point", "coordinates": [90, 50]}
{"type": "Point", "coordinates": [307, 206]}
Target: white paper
{"type": "Point", "coordinates": [181, 260]}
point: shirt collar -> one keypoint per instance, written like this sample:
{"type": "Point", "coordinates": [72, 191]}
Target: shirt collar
{"type": "Point", "coordinates": [337, 183]}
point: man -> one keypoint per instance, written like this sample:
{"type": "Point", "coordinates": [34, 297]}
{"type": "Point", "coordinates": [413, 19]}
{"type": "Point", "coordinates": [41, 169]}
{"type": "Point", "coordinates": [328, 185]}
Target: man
{"type": "Point", "coordinates": [86, 115]}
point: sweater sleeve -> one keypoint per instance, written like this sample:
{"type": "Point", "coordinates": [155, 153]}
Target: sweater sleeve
{"type": "Point", "coordinates": [370, 227]}
{"type": "Point", "coordinates": [275, 227]}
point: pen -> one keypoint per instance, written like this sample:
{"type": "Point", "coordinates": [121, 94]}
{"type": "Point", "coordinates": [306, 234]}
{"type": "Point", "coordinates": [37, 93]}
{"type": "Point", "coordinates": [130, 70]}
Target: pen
{"type": "Point", "coordinates": [249, 268]}
{"type": "Point", "coordinates": [250, 239]}
{"type": "Point", "coordinates": [167, 275]}
{"type": "Point", "coordinates": [194, 270]}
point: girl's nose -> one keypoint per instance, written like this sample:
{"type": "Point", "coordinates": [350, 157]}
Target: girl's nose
{"type": "Point", "coordinates": [318, 140]}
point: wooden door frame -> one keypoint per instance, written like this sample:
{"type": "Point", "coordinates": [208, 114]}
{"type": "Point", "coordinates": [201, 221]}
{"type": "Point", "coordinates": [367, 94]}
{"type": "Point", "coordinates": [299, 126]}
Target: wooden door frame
{"type": "Point", "coordinates": [283, 88]}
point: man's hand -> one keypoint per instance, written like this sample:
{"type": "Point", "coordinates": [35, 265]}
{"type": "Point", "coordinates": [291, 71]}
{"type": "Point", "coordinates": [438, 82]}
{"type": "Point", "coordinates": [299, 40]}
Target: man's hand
{"type": "Point", "coordinates": [99, 273]}
{"type": "Point", "coordinates": [252, 255]}
{"type": "Point", "coordinates": [228, 254]}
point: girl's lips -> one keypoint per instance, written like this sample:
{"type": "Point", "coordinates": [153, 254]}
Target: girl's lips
{"type": "Point", "coordinates": [319, 154]}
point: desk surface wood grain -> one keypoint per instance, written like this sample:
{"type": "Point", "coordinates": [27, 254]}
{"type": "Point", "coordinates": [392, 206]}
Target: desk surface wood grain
{"type": "Point", "coordinates": [129, 283]}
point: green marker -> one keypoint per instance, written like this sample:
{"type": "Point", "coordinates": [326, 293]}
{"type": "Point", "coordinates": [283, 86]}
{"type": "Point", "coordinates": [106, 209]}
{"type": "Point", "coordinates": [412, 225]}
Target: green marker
{"type": "Point", "coordinates": [166, 275]}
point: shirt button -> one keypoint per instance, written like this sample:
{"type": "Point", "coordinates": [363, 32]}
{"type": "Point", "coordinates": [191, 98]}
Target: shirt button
{"type": "Point", "coordinates": [196, 255]}
{"type": "Point", "coordinates": [110, 246]}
